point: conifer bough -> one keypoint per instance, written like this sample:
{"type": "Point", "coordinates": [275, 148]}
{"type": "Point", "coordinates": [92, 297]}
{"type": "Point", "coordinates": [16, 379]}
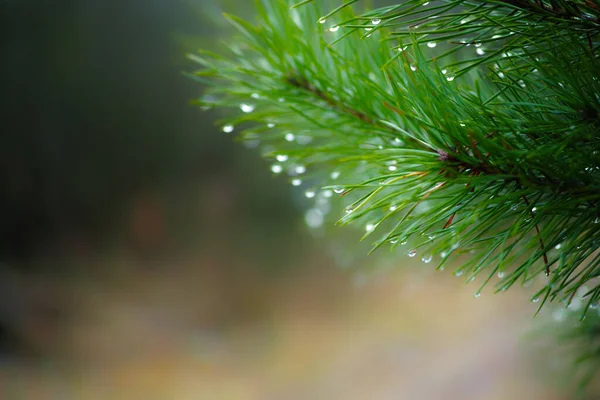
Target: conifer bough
{"type": "Point", "coordinates": [463, 130]}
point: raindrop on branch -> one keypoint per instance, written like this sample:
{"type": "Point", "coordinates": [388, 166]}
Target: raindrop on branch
{"type": "Point", "coordinates": [314, 218]}
{"type": "Point", "coordinates": [247, 108]}
{"type": "Point", "coordinates": [310, 194]}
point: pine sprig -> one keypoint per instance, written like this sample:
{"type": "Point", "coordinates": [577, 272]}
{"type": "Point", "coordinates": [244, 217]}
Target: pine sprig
{"type": "Point", "coordinates": [499, 168]}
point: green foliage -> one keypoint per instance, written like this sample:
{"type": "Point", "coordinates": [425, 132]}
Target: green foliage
{"type": "Point", "coordinates": [465, 128]}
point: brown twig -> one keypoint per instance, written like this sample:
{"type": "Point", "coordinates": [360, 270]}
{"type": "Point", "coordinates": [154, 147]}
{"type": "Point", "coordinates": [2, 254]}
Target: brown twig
{"type": "Point", "coordinates": [553, 11]}
{"type": "Point", "coordinates": [303, 83]}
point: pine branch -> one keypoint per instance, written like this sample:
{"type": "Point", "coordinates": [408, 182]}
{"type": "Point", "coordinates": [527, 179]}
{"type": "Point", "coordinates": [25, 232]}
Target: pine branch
{"type": "Point", "coordinates": [493, 160]}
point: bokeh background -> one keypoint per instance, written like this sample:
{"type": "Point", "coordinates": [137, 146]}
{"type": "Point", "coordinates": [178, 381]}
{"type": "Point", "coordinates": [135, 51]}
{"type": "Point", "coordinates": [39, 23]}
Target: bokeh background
{"type": "Point", "coordinates": [146, 255]}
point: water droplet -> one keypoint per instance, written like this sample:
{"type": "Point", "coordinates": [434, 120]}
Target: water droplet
{"type": "Point", "coordinates": [310, 194]}
{"type": "Point", "coordinates": [334, 28]}
{"type": "Point", "coordinates": [370, 227]}
{"type": "Point", "coordinates": [480, 51]}
{"type": "Point", "coordinates": [393, 208]}
{"type": "Point", "coordinates": [228, 128]}
{"type": "Point", "coordinates": [300, 169]}
{"type": "Point", "coordinates": [431, 237]}
{"type": "Point", "coordinates": [394, 240]}
{"type": "Point", "coordinates": [276, 168]}
{"type": "Point", "coordinates": [413, 67]}
{"type": "Point", "coordinates": [411, 253]}
{"type": "Point", "coordinates": [290, 137]}
{"type": "Point", "coordinates": [376, 21]}
{"type": "Point", "coordinates": [431, 44]}
{"type": "Point", "coordinates": [534, 209]}
{"type": "Point", "coordinates": [427, 259]}
{"type": "Point", "coordinates": [458, 273]}
{"type": "Point", "coordinates": [425, 4]}
{"type": "Point", "coordinates": [247, 108]}
{"type": "Point", "coordinates": [303, 139]}
{"type": "Point", "coordinates": [314, 218]}
{"type": "Point", "coordinates": [463, 21]}
{"type": "Point", "coordinates": [339, 190]}
{"type": "Point", "coordinates": [450, 78]}
{"type": "Point", "coordinates": [368, 29]}
{"type": "Point", "coordinates": [349, 209]}
{"type": "Point", "coordinates": [501, 75]}
{"type": "Point", "coordinates": [575, 304]}
{"type": "Point", "coordinates": [501, 274]}
{"type": "Point", "coordinates": [478, 44]}
{"type": "Point", "coordinates": [322, 20]}
{"type": "Point", "coordinates": [392, 168]}
{"type": "Point", "coordinates": [443, 254]}
{"type": "Point", "coordinates": [535, 300]}
{"type": "Point", "coordinates": [559, 314]}
{"type": "Point", "coordinates": [444, 71]}
{"type": "Point", "coordinates": [282, 158]}
{"type": "Point", "coordinates": [252, 144]}
{"type": "Point", "coordinates": [522, 84]}
{"type": "Point", "coordinates": [558, 246]}
{"type": "Point", "coordinates": [296, 182]}
{"type": "Point", "coordinates": [270, 125]}
{"type": "Point", "coordinates": [335, 174]}
{"type": "Point", "coordinates": [455, 246]}
{"type": "Point", "coordinates": [398, 142]}
{"type": "Point", "coordinates": [255, 96]}
{"type": "Point", "coordinates": [477, 294]}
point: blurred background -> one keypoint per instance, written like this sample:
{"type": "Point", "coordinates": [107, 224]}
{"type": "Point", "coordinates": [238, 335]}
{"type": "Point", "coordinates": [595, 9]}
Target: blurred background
{"type": "Point", "coordinates": [146, 255]}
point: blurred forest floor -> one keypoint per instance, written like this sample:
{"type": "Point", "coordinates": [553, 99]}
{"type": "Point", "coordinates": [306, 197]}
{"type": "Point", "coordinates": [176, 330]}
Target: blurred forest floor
{"type": "Point", "coordinates": [209, 325]}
